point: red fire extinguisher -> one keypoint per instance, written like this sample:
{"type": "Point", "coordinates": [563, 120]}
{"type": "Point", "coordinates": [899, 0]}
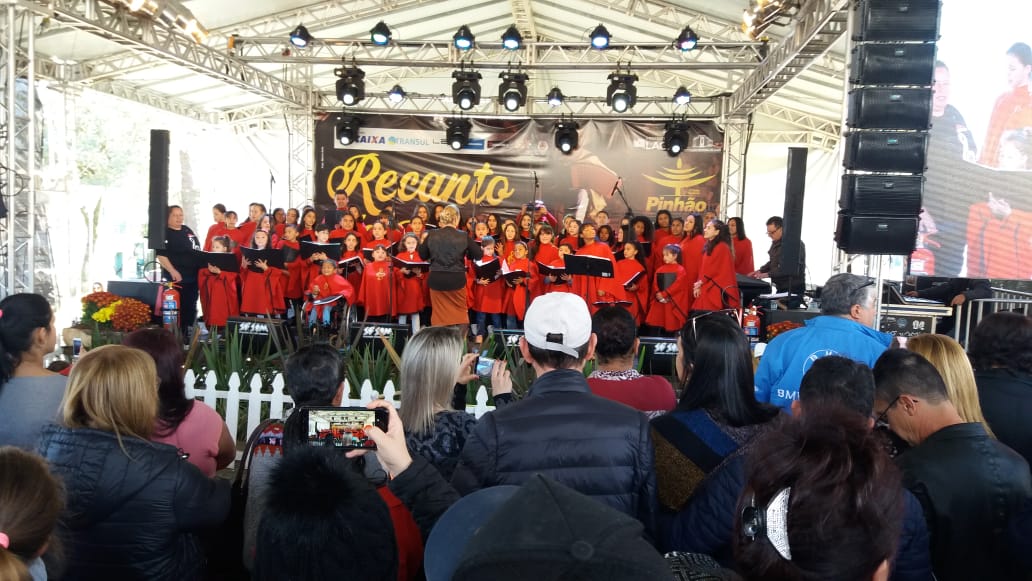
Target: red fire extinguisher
{"type": "Point", "coordinates": [170, 307]}
{"type": "Point", "coordinates": [751, 325]}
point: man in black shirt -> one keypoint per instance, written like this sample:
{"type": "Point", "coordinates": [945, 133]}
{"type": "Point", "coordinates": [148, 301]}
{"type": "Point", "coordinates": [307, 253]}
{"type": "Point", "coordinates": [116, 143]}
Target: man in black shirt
{"type": "Point", "coordinates": [793, 282]}
{"type": "Point", "coordinates": [179, 264]}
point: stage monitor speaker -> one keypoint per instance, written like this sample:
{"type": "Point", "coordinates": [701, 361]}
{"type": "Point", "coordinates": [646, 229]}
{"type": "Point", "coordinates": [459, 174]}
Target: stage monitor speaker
{"type": "Point", "coordinates": [657, 356]}
{"type": "Point", "coordinates": [893, 64]}
{"type": "Point", "coordinates": [886, 151]}
{"type": "Point", "coordinates": [881, 195]}
{"type": "Point", "coordinates": [876, 234]}
{"type": "Point", "coordinates": [256, 333]}
{"type": "Point", "coordinates": [795, 188]}
{"type": "Point", "coordinates": [157, 207]}
{"type": "Point", "coordinates": [890, 108]}
{"type": "Point", "coordinates": [897, 20]}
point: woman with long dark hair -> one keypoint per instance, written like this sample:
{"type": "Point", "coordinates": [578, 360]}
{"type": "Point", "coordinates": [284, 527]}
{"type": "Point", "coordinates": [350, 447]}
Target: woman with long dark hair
{"type": "Point", "coordinates": [718, 412]}
{"type": "Point", "coordinates": [1000, 349]}
{"type": "Point", "coordinates": [30, 395]}
{"type": "Point", "coordinates": [717, 285]}
{"type": "Point", "coordinates": [744, 262]}
{"type": "Point", "coordinates": [189, 425]}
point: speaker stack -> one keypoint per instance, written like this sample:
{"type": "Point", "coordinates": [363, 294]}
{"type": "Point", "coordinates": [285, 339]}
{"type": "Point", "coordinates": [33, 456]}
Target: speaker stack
{"type": "Point", "coordinates": [889, 115]}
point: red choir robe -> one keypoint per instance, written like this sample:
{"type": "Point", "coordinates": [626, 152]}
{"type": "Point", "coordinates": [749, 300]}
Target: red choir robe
{"type": "Point", "coordinates": [220, 297]}
{"type": "Point", "coordinates": [247, 231]}
{"type": "Point", "coordinates": [325, 286]}
{"type": "Point", "coordinates": [340, 233]}
{"type": "Point", "coordinates": [639, 298]}
{"type": "Point", "coordinates": [237, 236]}
{"type": "Point", "coordinates": [518, 297]}
{"type": "Point", "coordinates": [670, 315]}
{"type": "Point", "coordinates": [354, 275]}
{"type": "Point", "coordinates": [409, 288]}
{"type": "Point", "coordinates": [487, 298]}
{"type": "Point", "coordinates": [998, 247]}
{"type": "Point", "coordinates": [744, 262]}
{"type": "Point", "coordinates": [655, 260]}
{"type": "Point", "coordinates": [292, 285]}
{"type": "Point", "coordinates": [1012, 110]}
{"type": "Point", "coordinates": [595, 288]}
{"type": "Point", "coordinates": [719, 284]}
{"type": "Point", "coordinates": [573, 241]}
{"type": "Point", "coordinates": [375, 292]}
{"type": "Point", "coordinates": [548, 255]}
{"type": "Point", "coordinates": [262, 292]}
{"type": "Point", "coordinates": [691, 256]}
{"type": "Point", "coordinates": [216, 229]}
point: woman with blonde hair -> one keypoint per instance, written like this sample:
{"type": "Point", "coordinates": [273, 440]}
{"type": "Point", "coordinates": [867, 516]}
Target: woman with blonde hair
{"type": "Point", "coordinates": [133, 505]}
{"type": "Point", "coordinates": [447, 248]}
{"type": "Point", "coordinates": [434, 373]}
{"type": "Point", "coordinates": [953, 365]}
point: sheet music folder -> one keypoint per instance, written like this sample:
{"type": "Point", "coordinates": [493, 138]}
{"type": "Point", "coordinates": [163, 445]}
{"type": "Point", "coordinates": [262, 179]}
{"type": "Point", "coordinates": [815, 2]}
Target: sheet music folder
{"type": "Point", "coordinates": [589, 265]}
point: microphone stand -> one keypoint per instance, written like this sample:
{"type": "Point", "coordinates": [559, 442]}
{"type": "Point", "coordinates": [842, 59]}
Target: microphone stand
{"type": "Point", "coordinates": [617, 190]}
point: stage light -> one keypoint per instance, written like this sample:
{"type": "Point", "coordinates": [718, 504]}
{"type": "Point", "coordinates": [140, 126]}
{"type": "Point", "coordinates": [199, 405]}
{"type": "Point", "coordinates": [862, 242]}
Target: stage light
{"type": "Point", "coordinates": [512, 39]}
{"type": "Point", "coordinates": [600, 37]}
{"type": "Point", "coordinates": [350, 85]}
{"type": "Point", "coordinates": [380, 34]}
{"type": "Point", "coordinates": [464, 38]}
{"type": "Point", "coordinates": [347, 129]}
{"type": "Point", "coordinates": [512, 93]}
{"type": "Point", "coordinates": [555, 97]}
{"type": "Point", "coordinates": [566, 136]}
{"type": "Point", "coordinates": [458, 132]}
{"type": "Point", "coordinates": [466, 89]}
{"type": "Point", "coordinates": [682, 96]}
{"type": "Point", "coordinates": [396, 94]}
{"type": "Point", "coordinates": [621, 94]}
{"type": "Point", "coordinates": [300, 36]}
{"type": "Point", "coordinates": [687, 40]}
{"type": "Point", "coordinates": [675, 137]}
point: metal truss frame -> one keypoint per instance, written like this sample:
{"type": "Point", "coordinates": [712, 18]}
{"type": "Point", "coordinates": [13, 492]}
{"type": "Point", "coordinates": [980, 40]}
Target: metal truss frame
{"type": "Point", "coordinates": [732, 171]}
{"type": "Point", "coordinates": [821, 24]}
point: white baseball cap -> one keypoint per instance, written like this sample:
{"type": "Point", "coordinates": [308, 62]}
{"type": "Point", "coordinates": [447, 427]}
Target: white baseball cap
{"type": "Point", "coordinates": [558, 322]}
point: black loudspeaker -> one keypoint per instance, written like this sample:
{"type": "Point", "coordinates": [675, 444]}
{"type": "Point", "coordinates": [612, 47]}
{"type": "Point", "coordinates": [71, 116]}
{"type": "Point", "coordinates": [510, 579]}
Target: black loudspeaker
{"type": "Point", "coordinates": [893, 64]}
{"type": "Point", "coordinates": [884, 195]}
{"type": "Point", "coordinates": [897, 20]}
{"type": "Point", "coordinates": [157, 208]}
{"type": "Point", "coordinates": [890, 108]}
{"type": "Point", "coordinates": [886, 151]}
{"type": "Point", "coordinates": [255, 333]}
{"type": "Point", "coordinates": [795, 188]}
{"type": "Point", "coordinates": [876, 234]}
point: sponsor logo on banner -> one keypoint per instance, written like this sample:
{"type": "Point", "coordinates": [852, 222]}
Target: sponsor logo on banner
{"type": "Point", "coordinates": [381, 139]}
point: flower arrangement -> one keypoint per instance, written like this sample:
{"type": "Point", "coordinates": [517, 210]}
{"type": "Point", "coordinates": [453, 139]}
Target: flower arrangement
{"type": "Point", "coordinates": [109, 311]}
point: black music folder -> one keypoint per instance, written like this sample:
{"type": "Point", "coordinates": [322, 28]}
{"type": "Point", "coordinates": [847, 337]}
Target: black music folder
{"type": "Point", "coordinates": [589, 265]}
{"type": "Point", "coordinates": [413, 265]}
{"type": "Point", "coordinates": [272, 256]}
{"type": "Point", "coordinates": [331, 249]}
{"type": "Point", "coordinates": [488, 270]}
{"type": "Point", "coordinates": [224, 261]}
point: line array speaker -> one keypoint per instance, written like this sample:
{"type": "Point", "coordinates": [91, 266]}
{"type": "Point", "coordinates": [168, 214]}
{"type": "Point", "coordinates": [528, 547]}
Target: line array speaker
{"type": "Point", "coordinates": [157, 202]}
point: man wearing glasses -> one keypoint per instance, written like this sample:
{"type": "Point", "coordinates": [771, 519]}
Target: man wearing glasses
{"type": "Point", "coordinates": [793, 282]}
{"type": "Point", "coordinates": [844, 328]}
{"type": "Point", "coordinates": [968, 483]}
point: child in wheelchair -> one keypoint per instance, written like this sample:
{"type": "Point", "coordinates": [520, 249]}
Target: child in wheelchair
{"type": "Point", "coordinates": [327, 291]}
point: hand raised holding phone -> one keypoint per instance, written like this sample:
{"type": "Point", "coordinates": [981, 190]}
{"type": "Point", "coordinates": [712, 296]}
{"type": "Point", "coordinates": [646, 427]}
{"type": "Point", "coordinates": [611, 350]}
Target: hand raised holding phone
{"type": "Point", "coordinates": [391, 449]}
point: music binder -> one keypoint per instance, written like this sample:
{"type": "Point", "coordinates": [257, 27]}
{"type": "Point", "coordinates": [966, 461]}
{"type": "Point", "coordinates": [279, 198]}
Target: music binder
{"type": "Point", "coordinates": [413, 265]}
{"type": "Point", "coordinates": [368, 250]}
{"type": "Point", "coordinates": [549, 270]}
{"type": "Point", "coordinates": [618, 303]}
{"type": "Point", "coordinates": [331, 249]}
{"type": "Point", "coordinates": [588, 265]}
{"type": "Point", "coordinates": [665, 279]}
{"type": "Point", "coordinates": [350, 264]}
{"type": "Point", "coordinates": [488, 270]}
{"type": "Point", "coordinates": [273, 257]}
{"type": "Point", "coordinates": [512, 275]}
{"type": "Point", "coordinates": [290, 254]}
{"type": "Point", "coordinates": [634, 278]}
{"type": "Point", "coordinates": [224, 261]}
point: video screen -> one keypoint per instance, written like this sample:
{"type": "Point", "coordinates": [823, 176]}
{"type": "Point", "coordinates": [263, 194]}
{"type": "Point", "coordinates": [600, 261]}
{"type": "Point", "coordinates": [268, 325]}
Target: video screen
{"type": "Point", "coordinates": [977, 205]}
{"type": "Point", "coordinates": [340, 428]}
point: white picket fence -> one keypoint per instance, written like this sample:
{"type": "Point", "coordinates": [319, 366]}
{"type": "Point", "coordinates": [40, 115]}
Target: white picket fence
{"type": "Point", "coordinates": [279, 400]}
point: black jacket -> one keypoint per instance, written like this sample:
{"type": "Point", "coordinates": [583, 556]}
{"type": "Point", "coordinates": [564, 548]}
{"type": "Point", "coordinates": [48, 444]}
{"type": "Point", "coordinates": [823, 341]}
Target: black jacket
{"type": "Point", "coordinates": [1006, 399]}
{"type": "Point", "coordinates": [969, 486]}
{"type": "Point", "coordinates": [596, 446]}
{"type": "Point", "coordinates": [792, 281]}
{"type": "Point", "coordinates": [706, 525]}
{"type": "Point", "coordinates": [446, 249]}
{"type": "Point", "coordinates": [424, 492]}
{"type": "Point", "coordinates": [130, 517]}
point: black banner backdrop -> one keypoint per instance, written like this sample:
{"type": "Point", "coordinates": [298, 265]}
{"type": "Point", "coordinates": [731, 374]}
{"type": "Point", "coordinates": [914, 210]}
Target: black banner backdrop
{"type": "Point", "coordinates": [403, 161]}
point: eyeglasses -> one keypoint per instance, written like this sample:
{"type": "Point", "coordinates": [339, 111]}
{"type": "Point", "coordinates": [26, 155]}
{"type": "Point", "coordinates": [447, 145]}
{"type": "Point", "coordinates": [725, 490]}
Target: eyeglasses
{"type": "Point", "coordinates": [882, 420]}
{"type": "Point", "coordinates": [733, 313]}
{"type": "Point", "coordinates": [854, 297]}
{"type": "Point", "coordinates": [772, 232]}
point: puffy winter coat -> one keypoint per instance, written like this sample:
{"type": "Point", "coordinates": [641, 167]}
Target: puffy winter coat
{"type": "Point", "coordinates": [598, 447]}
{"type": "Point", "coordinates": [130, 514]}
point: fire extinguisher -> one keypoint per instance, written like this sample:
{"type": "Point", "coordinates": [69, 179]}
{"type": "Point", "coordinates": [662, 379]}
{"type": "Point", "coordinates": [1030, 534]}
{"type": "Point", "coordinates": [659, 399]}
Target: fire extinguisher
{"type": "Point", "coordinates": [751, 325]}
{"type": "Point", "coordinates": [170, 307]}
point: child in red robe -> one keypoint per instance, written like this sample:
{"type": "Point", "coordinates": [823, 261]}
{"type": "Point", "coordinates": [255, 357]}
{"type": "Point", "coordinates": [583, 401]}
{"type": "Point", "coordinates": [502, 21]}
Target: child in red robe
{"type": "Point", "coordinates": [672, 297]}
{"type": "Point", "coordinates": [517, 297]}
{"type": "Point", "coordinates": [409, 284]}
{"type": "Point", "coordinates": [220, 295]}
{"type": "Point", "coordinates": [717, 285]}
{"type": "Point", "coordinates": [328, 284]}
{"type": "Point", "coordinates": [351, 259]}
{"type": "Point", "coordinates": [593, 288]}
{"type": "Point", "coordinates": [293, 289]}
{"type": "Point", "coordinates": [488, 293]}
{"type": "Point", "coordinates": [637, 292]}
{"type": "Point", "coordinates": [376, 294]}
{"type": "Point", "coordinates": [263, 285]}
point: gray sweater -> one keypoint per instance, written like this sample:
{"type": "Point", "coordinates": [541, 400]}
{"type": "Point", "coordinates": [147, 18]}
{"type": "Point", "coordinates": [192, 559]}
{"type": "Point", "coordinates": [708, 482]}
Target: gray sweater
{"type": "Point", "coordinates": [26, 405]}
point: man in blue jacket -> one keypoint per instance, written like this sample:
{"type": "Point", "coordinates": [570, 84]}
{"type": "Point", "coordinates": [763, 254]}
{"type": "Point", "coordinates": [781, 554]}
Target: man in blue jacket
{"type": "Point", "coordinates": [844, 328]}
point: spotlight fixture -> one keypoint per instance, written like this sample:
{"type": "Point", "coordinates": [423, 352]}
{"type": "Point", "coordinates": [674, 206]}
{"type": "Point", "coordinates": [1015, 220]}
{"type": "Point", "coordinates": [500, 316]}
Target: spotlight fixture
{"type": "Point", "coordinates": [762, 14]}
{"type": "Point", "coordinates": [687, 40]}
{"type": "Point", "coordinates": [350, 85]}
{"type": "Point", "coordinates": [458, 132]}
{"type": "Point", "coordinates": [464, 38]}
{"type": "Point", "coordinates": [347, 129]}
{"type": "Point", "coordinates": [300, 37]}
{"type": "Point", "coordinates": [566, 136]}
{"type": "Point", "coordinates": [380, 35]}
{"type": "Point", "coordinates": [466, 89]}
{"type": "Point", "coordinates": [555, 97]}
{"type": "Point", "coordinates": [512, 93]}
{"type": "Point", "coordinates": [621, 94]}
{"type": "Point", "coordinates": [675, 137]}
{"type": "Point", "coordinates": [396, 94]}
{"type": "Point", "coordinates": [600, 37]}
{"type": "Point", "coordinates": [682, 96]}
{"type": "Point", "coordinates": [511, 38]}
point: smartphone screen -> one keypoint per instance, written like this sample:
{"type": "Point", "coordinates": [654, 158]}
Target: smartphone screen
{"type": "Point", "coordinates": [484, 365]}
{"type": "Point", "coordinates": [344, 428]}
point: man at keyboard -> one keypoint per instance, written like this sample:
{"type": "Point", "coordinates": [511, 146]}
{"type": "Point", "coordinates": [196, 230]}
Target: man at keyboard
{"type": "Point", "coordinates": [954, 292]}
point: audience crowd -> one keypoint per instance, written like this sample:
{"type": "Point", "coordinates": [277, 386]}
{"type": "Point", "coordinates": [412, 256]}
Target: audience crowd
{"type": "Point", "coordinates": [841, 457]}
